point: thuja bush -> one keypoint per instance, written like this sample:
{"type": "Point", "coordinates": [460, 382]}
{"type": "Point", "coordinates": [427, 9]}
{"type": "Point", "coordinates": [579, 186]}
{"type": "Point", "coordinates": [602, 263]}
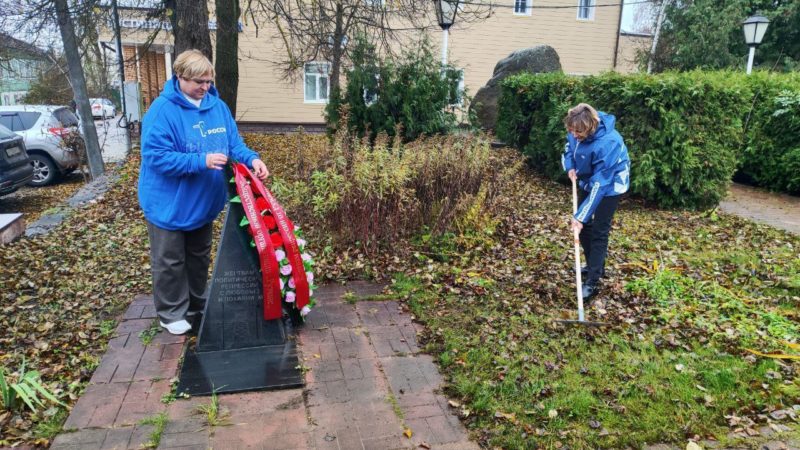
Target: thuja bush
{"type": "Point", "coordinates": [682, 130]}
{"type": "Point", "coordinates": [770, 155]}
{"type": "Point", "coordinates": [409, 95]}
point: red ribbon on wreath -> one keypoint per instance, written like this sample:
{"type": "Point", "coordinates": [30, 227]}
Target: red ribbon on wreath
{"type": "Point", "coordinates": [266, 251]}
{"type": "Point", "coordinates": [286, 230]}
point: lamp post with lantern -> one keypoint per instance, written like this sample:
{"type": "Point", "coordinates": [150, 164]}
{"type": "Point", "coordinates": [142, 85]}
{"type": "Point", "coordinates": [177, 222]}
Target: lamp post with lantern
{"type": "Point", "coordinates": [446, 16]}
{"type": "Point", "coordinates": [754, 28]}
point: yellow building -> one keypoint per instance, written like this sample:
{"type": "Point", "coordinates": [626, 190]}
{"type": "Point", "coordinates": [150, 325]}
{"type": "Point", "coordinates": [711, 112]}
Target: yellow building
{"type": "Point", "coordinates": [585, 33]}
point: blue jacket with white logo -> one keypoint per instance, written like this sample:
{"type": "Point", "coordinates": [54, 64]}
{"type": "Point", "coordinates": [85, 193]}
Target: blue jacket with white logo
{"type": "Point", "coordinates": [601, 163]}
{"type": "Point", "coordinates": [176, 189]}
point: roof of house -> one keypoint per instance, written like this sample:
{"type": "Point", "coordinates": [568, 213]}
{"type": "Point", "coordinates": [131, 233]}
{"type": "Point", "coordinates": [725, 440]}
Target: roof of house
{"type": "Point", "coordinates": [10, 45]}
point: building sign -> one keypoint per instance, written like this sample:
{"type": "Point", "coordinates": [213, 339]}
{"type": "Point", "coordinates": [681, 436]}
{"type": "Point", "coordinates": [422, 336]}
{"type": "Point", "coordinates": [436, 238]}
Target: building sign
{"type": "Point", "coordinates": [142, 24]}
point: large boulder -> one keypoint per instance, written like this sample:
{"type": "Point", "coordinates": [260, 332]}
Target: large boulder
{"type": "Point", "coordinates": [539, 59]}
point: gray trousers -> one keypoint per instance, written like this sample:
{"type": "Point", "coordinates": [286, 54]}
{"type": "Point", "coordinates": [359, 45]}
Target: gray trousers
{"type": "Point", "coordinates": [179, 260]}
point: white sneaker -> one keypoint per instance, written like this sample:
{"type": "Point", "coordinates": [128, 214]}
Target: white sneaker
{"type": "Point", "coordinates": [179, 327]}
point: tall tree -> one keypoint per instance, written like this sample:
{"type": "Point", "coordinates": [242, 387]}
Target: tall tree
{"type": "Point", "coordinates": [227, 62]}
{"type": "Point", "coordinates": [190, 25]}
{"type": "Point", "coordinates": [78, 82]}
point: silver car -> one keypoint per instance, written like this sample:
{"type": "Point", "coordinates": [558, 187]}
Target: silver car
{"type": "Point", "coordinates": [51, 136]}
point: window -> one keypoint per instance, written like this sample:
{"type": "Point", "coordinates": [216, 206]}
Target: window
{"type": "Point", "coordinates": [12, 122]}
{"type": "Point", "coordinates": [66, 117]}
{"type": "Point", "coordinates": [316, 82]}
{"type": "Point", "coordinates": [522, 7]}
{"type": "Point", "coordinates": [586, 9]}
{"type": "Point", "coordinates": [28, 118]}
{"type": "Point", "coordinates": [5, 133]}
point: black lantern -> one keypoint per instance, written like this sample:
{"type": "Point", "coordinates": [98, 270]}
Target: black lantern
{"type": "Point", "coordinates": [446, 12]}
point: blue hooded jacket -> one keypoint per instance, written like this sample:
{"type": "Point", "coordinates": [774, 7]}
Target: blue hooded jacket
{"type": "Point", "coordinates": [601, 163]}
{"type": "Point", "coordinates": [176, 189]}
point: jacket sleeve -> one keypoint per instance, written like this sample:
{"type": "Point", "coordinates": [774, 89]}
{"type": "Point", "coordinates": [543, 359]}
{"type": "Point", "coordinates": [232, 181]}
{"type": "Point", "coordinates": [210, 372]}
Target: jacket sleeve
{"type": "Point", "coordinates": [236, 145]}
{"type": "Point", "coordinates": [159, 152]}
{"type": "Point", "coordinates": [568, 157]}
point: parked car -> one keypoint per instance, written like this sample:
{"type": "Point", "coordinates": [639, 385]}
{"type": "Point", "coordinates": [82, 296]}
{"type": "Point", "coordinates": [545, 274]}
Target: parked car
{"type": "Point", "coordinates": [102, 108]}
{"type": "Point", "coordinates": [51, 137]}
{"type": "Point", "coordinates": [15, 167]}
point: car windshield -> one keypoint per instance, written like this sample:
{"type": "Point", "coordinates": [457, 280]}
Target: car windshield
{"type": "Point", "coordinates": [5, 133]}
{"type": "Point", "coordinates": [66, 117]}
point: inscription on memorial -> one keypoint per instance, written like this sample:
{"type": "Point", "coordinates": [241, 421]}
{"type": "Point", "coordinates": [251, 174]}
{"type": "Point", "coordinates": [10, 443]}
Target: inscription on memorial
{"type": "Point", "coordinates": [239, 286]}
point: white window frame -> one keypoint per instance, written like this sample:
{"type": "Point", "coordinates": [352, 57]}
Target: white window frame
{"type": "Point", "coordinates": [318, 76]}
{"type": "Point", "coordinates": [590, 6]}
{"type": "Point", "coordinates": [528, 7]}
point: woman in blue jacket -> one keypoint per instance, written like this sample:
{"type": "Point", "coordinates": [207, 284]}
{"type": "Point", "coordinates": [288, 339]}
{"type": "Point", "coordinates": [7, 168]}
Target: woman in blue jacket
{"type": "Point", "coordinates": [596, 157]}
{"type": "Point", "coordinates": [188, 135]}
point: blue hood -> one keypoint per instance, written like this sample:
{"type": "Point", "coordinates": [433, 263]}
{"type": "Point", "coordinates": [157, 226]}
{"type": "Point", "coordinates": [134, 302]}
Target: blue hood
{"type": "Point", "coordinates": [606, 126]}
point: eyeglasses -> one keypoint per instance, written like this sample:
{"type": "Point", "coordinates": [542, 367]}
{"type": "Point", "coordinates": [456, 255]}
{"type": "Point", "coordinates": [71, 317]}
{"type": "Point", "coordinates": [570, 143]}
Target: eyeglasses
{"type": "Point", "coordinates": [200, 81]}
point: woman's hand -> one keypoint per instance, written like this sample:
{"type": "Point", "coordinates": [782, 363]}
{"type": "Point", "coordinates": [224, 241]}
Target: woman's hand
{"type": "Point", "coordinates": [216, 160]}
{"type": "Point", "coordinates": [260, 169]}
{"type": "Point", "coordinates": [572, 175]}
{"type": "Point", "coordinates": [576, 225]}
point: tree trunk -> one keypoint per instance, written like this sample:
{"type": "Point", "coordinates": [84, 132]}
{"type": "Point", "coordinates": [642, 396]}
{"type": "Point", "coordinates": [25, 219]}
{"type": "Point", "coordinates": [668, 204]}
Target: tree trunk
{"type": "Point", "coordinates": [190, 27]}
{"type": "Point", "coordinates": [660, 21]}
{"type": "Point", "coordinates": [336, 52]}
{"type": "Point", "coordinates": [227, 63]}
{"type": "Point", "coordinates": [78, 82]}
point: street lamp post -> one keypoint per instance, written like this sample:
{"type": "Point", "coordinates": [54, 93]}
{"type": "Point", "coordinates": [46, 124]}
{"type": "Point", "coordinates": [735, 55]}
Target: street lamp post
{"type": "Point", "coordinates": [446, 16]}
{"type": "Point", "coordinates": [754, 28]}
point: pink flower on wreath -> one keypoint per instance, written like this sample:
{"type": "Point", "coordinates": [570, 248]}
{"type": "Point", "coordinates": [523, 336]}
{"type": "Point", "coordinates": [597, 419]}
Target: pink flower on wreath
{"type": "Point", "coordinates": [310, 277]}
{"type": "Point", "coordinates": [290, 296]}
{"type": "Point", "coordinates": [286, 270]}
{"type": "Point", "coordinates": [282, 282]}
{"type": "Point", "coordinates": [279, 255]}
{"type": "Point", "coordinates": [291, 283]}
{"type": "Point", "coordinates": [301, 242]}
{"type": "Point", "coordinates": [304, 312]}
{"type": "Point", "coordinates": [306, 257]}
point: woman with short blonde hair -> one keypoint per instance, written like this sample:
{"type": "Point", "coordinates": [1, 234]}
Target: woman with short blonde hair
{"type": "Point", "coordinates": [193, 64]}
{"type": "Point", "coordinates": [188, 136]}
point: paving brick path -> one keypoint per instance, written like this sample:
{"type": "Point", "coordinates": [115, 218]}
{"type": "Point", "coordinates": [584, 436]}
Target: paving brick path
{"type": "Point", "coordinates": [778, 210]}
{"type": "Point", "coordinates": [367, 383]}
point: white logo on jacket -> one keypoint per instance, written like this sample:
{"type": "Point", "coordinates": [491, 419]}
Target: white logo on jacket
{"type": "Point", "coordinates": [201, 125]}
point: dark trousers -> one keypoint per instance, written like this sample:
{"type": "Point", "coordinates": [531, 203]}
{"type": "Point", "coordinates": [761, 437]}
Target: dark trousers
{"type": "Point", "coordinates": [594, 236]}
{"type": "Point", "coordinates": [179, 261]}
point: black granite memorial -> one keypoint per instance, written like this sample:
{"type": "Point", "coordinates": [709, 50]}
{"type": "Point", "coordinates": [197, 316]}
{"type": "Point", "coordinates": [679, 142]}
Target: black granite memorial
{"type": "Point", "coordinates": [237, 350]}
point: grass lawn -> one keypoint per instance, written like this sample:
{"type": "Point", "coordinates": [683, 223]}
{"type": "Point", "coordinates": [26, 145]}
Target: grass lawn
{"type": "Point", "coordinates": [686, 295]}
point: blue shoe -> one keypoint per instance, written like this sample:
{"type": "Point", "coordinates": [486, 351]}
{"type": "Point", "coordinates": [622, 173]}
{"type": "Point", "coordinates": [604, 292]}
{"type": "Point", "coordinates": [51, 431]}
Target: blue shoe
{"type": "Point", "coordinates": [589, 290]}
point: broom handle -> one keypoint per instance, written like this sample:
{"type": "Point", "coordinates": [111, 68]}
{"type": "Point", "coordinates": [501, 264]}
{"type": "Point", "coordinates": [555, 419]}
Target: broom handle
{"type": "Point", "coordinates": [576, 236]}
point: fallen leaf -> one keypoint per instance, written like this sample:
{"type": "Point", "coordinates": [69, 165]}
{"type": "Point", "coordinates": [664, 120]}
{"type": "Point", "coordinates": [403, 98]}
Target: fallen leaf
{"type": "Point", "coordinates": [408, 433]}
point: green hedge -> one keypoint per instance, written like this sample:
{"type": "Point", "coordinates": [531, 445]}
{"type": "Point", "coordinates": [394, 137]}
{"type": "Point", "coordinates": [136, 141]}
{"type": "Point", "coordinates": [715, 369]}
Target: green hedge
{"type": "Point", "coordinates": [770, 155]}
{"type": "Point", "coordinates": [685, 132]}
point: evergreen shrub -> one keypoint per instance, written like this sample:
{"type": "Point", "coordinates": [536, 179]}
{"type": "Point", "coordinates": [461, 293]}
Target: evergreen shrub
{"type": "Point", "coordinates": [770, 155]}
{"type": "Point", "coordinates": [409, 95]}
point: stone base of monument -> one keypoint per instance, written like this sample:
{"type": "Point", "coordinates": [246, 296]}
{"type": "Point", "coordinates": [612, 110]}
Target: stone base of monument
{"type": "Point", "coordinates": [237, 350]}
{"type": "Point", "coordinates": [12, 226]}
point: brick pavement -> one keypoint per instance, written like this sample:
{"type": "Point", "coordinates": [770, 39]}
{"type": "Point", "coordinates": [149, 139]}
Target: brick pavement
{"type": "Point", "coordinates": [367, 382]}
